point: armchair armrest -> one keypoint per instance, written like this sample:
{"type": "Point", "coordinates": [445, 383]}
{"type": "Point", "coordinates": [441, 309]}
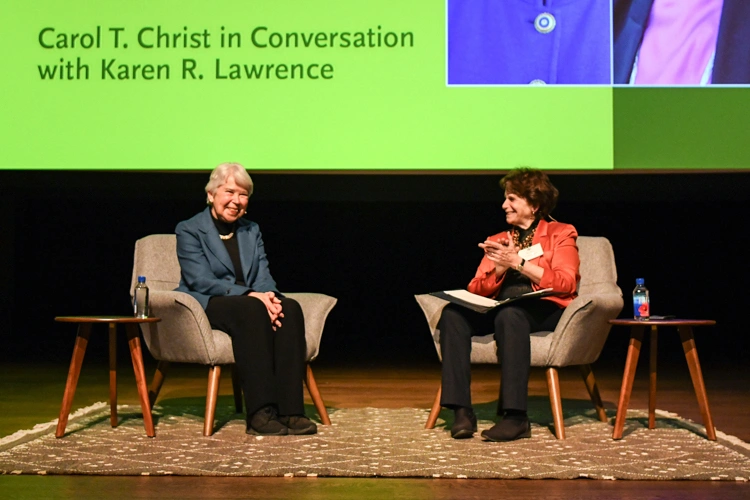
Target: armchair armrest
{"type": "Point", "coordinates": [432, 307]}
{"type": "Point", "coordinates": [184, 335]}
{"type": "Point", "coordinates": [315, 308]}
{"type": "Point", "coordinates": [583, 329]}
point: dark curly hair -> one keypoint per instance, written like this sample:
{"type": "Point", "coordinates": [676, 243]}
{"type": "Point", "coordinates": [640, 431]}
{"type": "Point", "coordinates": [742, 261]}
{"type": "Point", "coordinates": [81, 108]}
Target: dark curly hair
{"type": "Point", "coordinates": [534, 186]}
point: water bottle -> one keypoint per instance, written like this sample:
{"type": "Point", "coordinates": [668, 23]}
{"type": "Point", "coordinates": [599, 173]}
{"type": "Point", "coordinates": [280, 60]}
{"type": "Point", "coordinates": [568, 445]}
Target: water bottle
{"type": "Point", "coordinates": [641, 310]}
{"type": "Point", "coordinates": [140, 298]}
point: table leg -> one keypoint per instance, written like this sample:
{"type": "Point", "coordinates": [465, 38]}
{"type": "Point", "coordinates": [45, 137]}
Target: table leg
{"type": "Point", "coordinates": [134, 341]}
{"type": "Point", "coordinates": [652, 356]}
{"type": "Point", "coordinates": [79, 350]}
{"type": "Point", "coordinates": [634, 351]}
{"type": "Point", "coordinates": [691, 355]}
{"type": "Point", "coordinates": [113, 374]}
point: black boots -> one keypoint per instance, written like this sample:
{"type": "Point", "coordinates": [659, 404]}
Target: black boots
{"type": "Point", "coordinates": [464, 423]}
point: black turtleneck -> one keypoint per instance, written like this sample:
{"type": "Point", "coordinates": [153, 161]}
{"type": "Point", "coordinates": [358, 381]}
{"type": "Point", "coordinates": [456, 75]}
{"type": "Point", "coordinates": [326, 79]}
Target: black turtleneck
{"type": "Point", "coordinates": [232, 247]}
{"type": "Point", "coordinates": [515, 283]}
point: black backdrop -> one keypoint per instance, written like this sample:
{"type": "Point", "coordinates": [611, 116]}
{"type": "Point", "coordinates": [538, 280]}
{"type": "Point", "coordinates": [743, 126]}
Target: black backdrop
{"type": "Point", "coordinates": [372, 241]}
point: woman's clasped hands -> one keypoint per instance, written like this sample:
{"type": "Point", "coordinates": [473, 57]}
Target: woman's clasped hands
{"type": "Point", "coordinates": [502, 252]}
{"type": "Point", "coordinates": [273, 305]}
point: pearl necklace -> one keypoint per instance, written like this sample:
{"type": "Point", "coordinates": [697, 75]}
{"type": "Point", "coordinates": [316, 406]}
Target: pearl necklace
{"type": "Point", "coordinates": [226, 237]}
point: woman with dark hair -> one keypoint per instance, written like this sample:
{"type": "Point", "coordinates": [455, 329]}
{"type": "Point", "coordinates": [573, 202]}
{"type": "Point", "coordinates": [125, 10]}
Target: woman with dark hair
{"type": "Point", "coordinates": [532, 255]}
{"type": "Point", "coordinates": [224, 266]}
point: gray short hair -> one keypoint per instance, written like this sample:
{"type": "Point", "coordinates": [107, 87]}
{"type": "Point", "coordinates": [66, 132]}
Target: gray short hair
{"type": "Point", "coordinates": [222, 172]}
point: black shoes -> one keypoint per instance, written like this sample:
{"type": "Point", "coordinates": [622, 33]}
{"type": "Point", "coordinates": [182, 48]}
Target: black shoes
{"type": "Point", "coordinates": [509, 428]}
{"type": "Point", "coordinates": [265, 422]}
{"type": "Point", "coordinates": [299, 425]}
{"type": "Point", "coordinates": [515, 425]}
{"type": "Point", "coordinates": [464, 423]}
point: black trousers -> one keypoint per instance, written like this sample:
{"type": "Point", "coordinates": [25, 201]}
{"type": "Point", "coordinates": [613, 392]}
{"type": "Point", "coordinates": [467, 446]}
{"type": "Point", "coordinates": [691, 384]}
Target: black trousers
{"type": "Point", "coordinates": [271, 364]}
{"type": "Point", "coordinates": [513, 324]}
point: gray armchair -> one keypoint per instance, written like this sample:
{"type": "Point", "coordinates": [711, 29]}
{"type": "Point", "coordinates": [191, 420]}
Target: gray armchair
{"type": "Point", "coordinates": [184, 335]}
{"type": "Point", "coordinates": [577, 340]}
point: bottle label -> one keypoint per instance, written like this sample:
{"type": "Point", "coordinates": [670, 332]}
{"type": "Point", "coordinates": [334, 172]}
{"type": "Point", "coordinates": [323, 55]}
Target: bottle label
{"type": "Point", "coordinates": [640, 307]}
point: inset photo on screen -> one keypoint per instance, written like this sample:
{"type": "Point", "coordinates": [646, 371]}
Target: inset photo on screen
{"type": "Point", "coordinates": [529, 42]}
{"type": "Point", "coordinates": [685, 42]}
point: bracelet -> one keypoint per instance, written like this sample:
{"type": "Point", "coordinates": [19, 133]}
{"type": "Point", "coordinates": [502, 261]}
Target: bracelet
{"type": "Point", "coordinates": [519, 267]}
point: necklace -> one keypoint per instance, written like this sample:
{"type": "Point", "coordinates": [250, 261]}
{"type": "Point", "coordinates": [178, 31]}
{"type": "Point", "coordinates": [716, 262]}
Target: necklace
{"type": "Point", "coordinates": [226, 237]}
{"type": "Point", "coordinates": [526, 241]}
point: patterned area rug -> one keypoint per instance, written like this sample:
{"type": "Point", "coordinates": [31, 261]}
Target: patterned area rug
{"type": "Point", "coordinates": [371, 442]}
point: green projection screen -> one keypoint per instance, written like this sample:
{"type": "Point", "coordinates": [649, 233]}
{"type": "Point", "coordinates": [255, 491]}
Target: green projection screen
{"type": "Point", "coordinates": [312, 85]}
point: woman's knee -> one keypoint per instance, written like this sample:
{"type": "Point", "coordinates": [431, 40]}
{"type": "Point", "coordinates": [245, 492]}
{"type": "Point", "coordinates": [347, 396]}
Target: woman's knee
{"type": "Point", "coordinates": [511, 321]}
{"type": "Point", "coordinates": [237, 309]}
{"type": "Point", "coordinates": [510, 315]}
{"type": "Point", "coordinates": [451, 313]}
{"type": "Point", "coordinates": [293, 321]}
{"type": "Point", "coordinates": [254, 306]}
{"type": "Point", "coordinates": [291, 308]}
{"type": "Point", "coordinates": [453, 323]}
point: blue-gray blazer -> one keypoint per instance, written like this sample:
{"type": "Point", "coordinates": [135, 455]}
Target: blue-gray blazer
{"type": "Point", "coordinates": [206, 268]}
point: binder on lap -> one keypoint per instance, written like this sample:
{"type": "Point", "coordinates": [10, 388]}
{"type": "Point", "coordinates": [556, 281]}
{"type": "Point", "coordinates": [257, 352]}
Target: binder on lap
{"type": "Point", "coordinates": [483, 304]}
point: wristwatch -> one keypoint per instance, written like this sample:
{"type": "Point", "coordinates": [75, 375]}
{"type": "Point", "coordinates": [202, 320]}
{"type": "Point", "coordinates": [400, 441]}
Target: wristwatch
{"type": "Point", "coordinates": [519, 267]}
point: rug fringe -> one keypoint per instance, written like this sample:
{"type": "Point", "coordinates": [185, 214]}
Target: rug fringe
{"type": "Point", "coordinates": [26, 434]}
{"type": "Point", "coordinates": [686, 422]}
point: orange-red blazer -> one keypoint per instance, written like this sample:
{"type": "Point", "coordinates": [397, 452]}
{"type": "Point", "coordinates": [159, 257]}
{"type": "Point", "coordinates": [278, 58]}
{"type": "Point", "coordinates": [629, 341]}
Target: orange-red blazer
{"type": "Point", "coordinates": [560, 263]}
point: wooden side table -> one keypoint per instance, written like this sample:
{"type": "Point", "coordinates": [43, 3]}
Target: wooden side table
{"type": "Point", "coordinates": [637, 330]}
{"type": "Point", "coordinates": [85, 324]}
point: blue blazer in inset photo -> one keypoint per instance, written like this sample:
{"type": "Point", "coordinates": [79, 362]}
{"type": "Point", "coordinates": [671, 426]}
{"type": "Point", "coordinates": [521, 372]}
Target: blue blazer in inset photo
{"type": "Point", "coordinates": [732, 60]}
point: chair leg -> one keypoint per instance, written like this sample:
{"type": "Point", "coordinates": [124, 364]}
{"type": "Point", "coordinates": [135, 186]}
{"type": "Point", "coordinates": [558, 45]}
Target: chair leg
{"type": "Point", "coordinates": [214, 375]}
{"type": "Point", "coordinates": [435, 410]}
{"type": "Point", "coordinates": [555, 401]}
{"type": "Point", "coordinates": [161, 373]}
{"type": "Point", "coordinates": [237, 389]}
{"type": "Point", "coordinates": [312, 388]}
{"type": "Point", "coordinates": [590, 381]}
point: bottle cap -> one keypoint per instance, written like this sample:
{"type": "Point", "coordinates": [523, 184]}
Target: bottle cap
{"type": "Point", "coordinates": [638, 281]}
{"type": "Point", "coordinates": [141, 279]}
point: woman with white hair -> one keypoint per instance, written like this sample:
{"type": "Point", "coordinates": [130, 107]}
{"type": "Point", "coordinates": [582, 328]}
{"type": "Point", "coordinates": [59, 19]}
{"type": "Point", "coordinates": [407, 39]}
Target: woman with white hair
{"type": "Point", "coordinates": [224, 266]}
